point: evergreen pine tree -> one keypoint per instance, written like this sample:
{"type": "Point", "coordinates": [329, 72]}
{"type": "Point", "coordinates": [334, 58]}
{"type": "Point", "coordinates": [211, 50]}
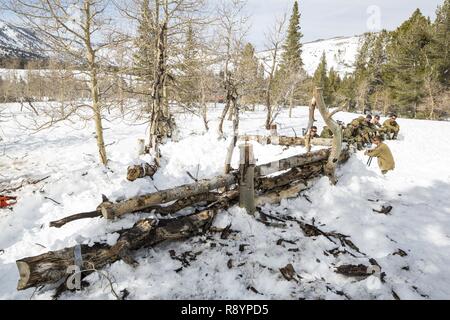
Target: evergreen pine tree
{"type": "Point", "coordinates": [334, 81]}
{"type": "Point", "coordinates": [292, 54]}
{"type": "Point", "coordinates": [321, 79]}
{"type": "Point", "coordinates": [440, 46]}
{"type": "Point", "coordinates": [249, 75]}
{"type": "Point", "coordinates": [144, 58]}
{"type": "Point", "coordinates": [190, 70]}
{"type": "Point", "coordinates": [407, 62]}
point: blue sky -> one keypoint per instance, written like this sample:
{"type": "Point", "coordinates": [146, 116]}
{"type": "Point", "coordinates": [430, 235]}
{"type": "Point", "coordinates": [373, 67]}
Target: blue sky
{"type": "Point", "coordinates": [329, 18]}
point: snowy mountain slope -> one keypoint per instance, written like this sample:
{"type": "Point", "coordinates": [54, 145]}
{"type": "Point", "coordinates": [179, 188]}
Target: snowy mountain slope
{"type": "Point", "coordinates": [17, 42]}
{"type": "Point", "coordinates": [340, 51]}
{"type": "Point", "coordinates": [419, 225]}
{"type": "Point", "coordinates": [340, 54]}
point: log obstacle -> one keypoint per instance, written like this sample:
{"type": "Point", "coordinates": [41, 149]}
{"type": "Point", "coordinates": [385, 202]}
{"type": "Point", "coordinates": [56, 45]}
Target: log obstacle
{"type": "Point", "coordinates": [286, 141]}
{"type": "Point", "coordinates": [250, 186]}
{"type": "Point", "coordinates": [190, 194]}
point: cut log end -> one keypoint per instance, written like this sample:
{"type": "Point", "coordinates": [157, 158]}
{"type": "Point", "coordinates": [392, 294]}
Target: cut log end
{"type": "Point", "coordinates": [107, 211]}
{"type": "Point", "coordinates": [24, 273]}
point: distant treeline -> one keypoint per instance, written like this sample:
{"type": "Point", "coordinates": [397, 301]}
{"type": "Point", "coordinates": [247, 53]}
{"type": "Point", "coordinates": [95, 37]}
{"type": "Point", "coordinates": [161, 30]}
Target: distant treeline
{"type": "Point", "coordinates": [406, 70]}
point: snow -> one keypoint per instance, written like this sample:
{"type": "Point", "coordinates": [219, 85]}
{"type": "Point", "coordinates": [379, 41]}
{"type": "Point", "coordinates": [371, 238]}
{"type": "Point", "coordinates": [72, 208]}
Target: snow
{"type": "Point", "coordinates": [419, 225]}
{"type": "Point", "coordinates": [340, 53]}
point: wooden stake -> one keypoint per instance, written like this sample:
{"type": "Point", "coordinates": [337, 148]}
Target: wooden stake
{"type": "Point", "coordinates": [247, 179]}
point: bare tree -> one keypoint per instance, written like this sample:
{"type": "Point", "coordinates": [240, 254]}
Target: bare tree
{"type": "Point", "coordinates": [232, 25]}
{"type": "Point", "coordinates": [336, 150]}
{"type": "Point", "coordinates": [275, 39]}
{"type": "Point", "coordinates": [75, 31]}
{"type": "Point", "coordinates": [162, 25]}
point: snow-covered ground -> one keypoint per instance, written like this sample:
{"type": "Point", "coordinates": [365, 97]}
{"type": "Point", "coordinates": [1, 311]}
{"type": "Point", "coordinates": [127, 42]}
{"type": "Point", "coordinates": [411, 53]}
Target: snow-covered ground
{"type": "Point", "coordinates": [418, 190]}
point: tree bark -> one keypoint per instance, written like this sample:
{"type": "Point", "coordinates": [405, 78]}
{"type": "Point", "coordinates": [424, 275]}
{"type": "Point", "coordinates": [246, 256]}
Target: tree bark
{"type": "Point", "coordinates": [96, 107]}
{"type": "Point", "coordinates": [52, 267]}
{"type": "Point", "coordinates": [292, 162]}
{"type": "Point", "coordinates": [288, 141]}
{"type": "Point", "coordinates": [284, 193]}
{"type": "Point", "coordinates": [234, 140]}
{"type": "Point", "coordinates": [144, 170]}
{"type": "Point", "coordinates": [115, 210]}
{"type": "Point", "coordinates": [157, 209]}
{"type": "Point", "coordinates": [312, 109]}
{"type": "Point", "coordinates": [293, 175]}
{"type": "Point", "coordinates": [336, 149]}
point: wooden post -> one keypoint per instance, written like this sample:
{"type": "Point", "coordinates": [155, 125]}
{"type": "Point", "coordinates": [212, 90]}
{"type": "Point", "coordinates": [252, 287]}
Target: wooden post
{"type": "Point", "coordinates": [274, 134]}
{"type": "Point", "coordinates": [247, 178]}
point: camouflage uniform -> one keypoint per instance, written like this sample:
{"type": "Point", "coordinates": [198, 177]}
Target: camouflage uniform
{"type": "Point", "coordinates": [368, 131]}
{"type": "Point", "coordinates": [326, 133]}
{"type": "Point", "coordinates": [353, 133]}
{"type": "Point", "coordinates": [391, 128]}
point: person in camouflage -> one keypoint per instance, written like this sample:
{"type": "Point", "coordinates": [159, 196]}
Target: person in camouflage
{"type": "Point", "coordinates": [359, 132]}
{"type": "Point", "coordinates": [376, 121]}
{"type": "Point", "coordinates": [382, 152]}
{"type": "Point", "coordinates": [391, 127]}
{"type": "Point", "coordinates": [351, 133]}
{"type": "Point", "coordinates": [368, 130]}
{"type": "Point", "coordinates": [326, 133]}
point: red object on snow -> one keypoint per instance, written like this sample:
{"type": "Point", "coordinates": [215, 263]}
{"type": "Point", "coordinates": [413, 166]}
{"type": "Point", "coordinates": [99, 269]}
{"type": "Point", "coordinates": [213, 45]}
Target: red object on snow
{"type": "Point", "coordinates": [7, 201]}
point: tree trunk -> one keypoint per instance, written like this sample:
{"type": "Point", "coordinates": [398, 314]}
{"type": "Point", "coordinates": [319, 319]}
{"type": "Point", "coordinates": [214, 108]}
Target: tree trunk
{"type": "Point", "coordinates": [336, 149]}
{"type": "Point", "coordinates": [303, 173]}
{"type": "Point", "coordinates": [268, 106]}
{"type": "Point", "coordinates": [156, 209]}
{"type": "Point", "coordinates": [53, 266]}
{"type": "Point", "coordinates": [204, 106]}
{"type": "Point", "coordinates": [96, 107]}
{"type": "Point", "coordinates": [234, 140]}
{"type": "Point", "coordinates": [312, 109]}
{"type": "Point", "coordinates": [291, 102]}
{"type": "Point", "coordinates": [292, 162]}
{"type": "Point", "coordinates": [285, 193]}
{"type": "Point", "coordinates": [288, 141]}
{"type": "Point", "coordinates": [115, 210]}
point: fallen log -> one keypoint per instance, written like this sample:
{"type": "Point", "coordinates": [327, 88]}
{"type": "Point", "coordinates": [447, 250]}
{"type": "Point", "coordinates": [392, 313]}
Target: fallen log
{"type": "Point", "coordinates": [284, 193]}
{"type": "Point", "coordinates": [304, 173]}
{"type": "Point", "coordinates": [52, 267]}
{"type": "Point", "coordinates": [292, 162]}
{"type": "Point", "coordinates": [114, 210]}
{"type": "Point", "coordinates": [161, 210]}
{"type": "Point", "coordinates": [141, 171]}
{"type": "Point", "coordinates": [287, 141]}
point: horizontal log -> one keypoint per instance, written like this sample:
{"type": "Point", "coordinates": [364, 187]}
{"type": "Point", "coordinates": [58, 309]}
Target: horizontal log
{"type": "Point", "coordinates": [285, 193]}
{"type": "Point", "coordinates": [113, 210]}
{"type": "Point", "coordinates": [157, 209]}
{"type": "Point", "coordinates": [302, 173]}
{"type": "Point", "coordinates": [287, 141]}
{"type": "Point", "coordinates": [292, 162]}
